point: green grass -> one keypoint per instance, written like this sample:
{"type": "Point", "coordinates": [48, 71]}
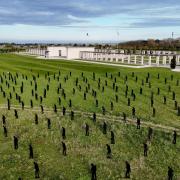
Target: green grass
{"type": "Point", "coordinates": [112, 62]}
{"type": "Point", "coordinates": [82, 150]}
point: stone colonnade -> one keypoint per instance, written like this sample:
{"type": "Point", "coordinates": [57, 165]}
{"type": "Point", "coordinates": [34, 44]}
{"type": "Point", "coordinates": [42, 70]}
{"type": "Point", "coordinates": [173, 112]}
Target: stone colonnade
{"type": "Point", "coordinates": [37, 51]}
{"type": "Point", "coordinates": [129, 59]}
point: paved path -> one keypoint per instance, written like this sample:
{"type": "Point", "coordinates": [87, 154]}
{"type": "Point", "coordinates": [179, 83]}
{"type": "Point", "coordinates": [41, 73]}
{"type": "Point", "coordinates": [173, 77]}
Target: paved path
{"type": "Point", "coordinates": [177, 69]}
{"type": "Point", "coordinates": [110, 118]}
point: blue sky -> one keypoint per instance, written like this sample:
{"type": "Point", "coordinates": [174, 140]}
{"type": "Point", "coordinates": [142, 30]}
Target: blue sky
{"type": "Point", "coordinates": [103, 20]}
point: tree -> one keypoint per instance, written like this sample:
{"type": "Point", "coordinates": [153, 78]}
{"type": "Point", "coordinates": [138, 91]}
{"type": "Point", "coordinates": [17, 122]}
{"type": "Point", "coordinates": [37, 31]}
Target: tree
{"type": "Point", "coordinates": [173, 62]}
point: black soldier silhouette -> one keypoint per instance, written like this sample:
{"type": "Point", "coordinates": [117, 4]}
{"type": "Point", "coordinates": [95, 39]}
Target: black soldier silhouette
{"type": "Point", "coordinates": [150, 133]}
{"type": "Point", "coordinates": [128, 170]}
{"type": "Point", "coordinates": [112, 138]}
{"type": "Point", "coordinates": [116, 98]}
{"type": "Point", "coordinates": [15, 142]}
{"type": "Point", "coordinates": [94, 117]}
{"type": "Point", "coordinates": [97, 102]}
{"type": "Point", "coordinates": [93, 172]}
{"type": "Point", "coordinates": [70, 103]}
{"type": "Point", "coordinates": [138, 123]}
{"type": "Point", "coordinates": [8, 104]}
{"type": "Point", "coordinates": [31, 155]}
{"type": "Point", "coordinates": [59, 100]}
{"type": "Point", "coordinates": [31, 102]}
{"type": "Point", "coordinates": [170, 173]}
{"type": "Point", "coordinates": [22, 103]}
{"type": "Point", "coordinates": [133, 111]}
{"type": "Point", "coordinates": [64, 111]}
{"type": "Point", "coordinates": [165, 99]}
{"type": "Point", "coordinates": [36, 119]}
{"type": "Point", "coordinates": [16, 114]}
{"type": "Point", "coordinates": [175, 105]}
{"type": "Point", "coordinates": [36, 169]}
{"type": "Point", "coordinates": [49, 123]}
{"type": "Point", "coordinates": [174, 137]}
{"type": "Point", "coordinates": [42, 109]}
{"type": "Point", "coordinates": [5, 131]}
{"type": "Point", "coordinates": [63, 133]}
{"type": "Point", "coordinates": [103, 110]}
{"type": "Point", "coordinates": [72, 115]}
{"type": "Point", "coordinates": [84, 96]}
{"type": "Point", "coordinates": [87, 129]}
{"type": "Point", "coordinates": [64, 149]}
{"type": "Point", "coordinates": [178, 111]}
{"type": "Point", "coordinates": [129, 102]}
{"type": "Point", "coordinates": [145, 149]}
{"type": "Point", "coordinates": [104, 128]}
{"type": "Point", "coordinates": [3, 120]}
{"type": "Point", "coordinates": [55, 108]}
{"type": "Point", "coordinates": [112, 106]}
{"type": "Point", "coordinates": [109, 155]}
{"type": "Point", "coordinates": [124, 117]}
{"type": "Point", "coordinates": [141, 90]}
{"type": "Point", "coordinates": [154, 112]}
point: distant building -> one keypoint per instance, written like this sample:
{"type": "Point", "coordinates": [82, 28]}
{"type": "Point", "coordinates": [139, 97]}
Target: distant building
{"type": "Point", "coordinates": [60, 52]}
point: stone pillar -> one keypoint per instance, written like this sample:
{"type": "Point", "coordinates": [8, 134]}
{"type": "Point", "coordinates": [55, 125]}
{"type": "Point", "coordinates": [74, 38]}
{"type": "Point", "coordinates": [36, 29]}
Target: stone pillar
{"type": "Point", "coordinates": [106, 57]}
{"type": "Point", "coordinates": [111, 56]}
{"type": "Point", "coordinates": [86, 55]}
{"type": "Point", "coordinates": [103, 56]}
{"type": "Point", "coordinates": [142, 60]}
{"type": "Point", "coordinates": [90, 55]}
{"type": "Point", "coordinates": [129, 59]}
{"type": "Point", "coordinates": [135, 59]}
{"type": "Point", "coordinates": [97, 56]}
{"type": "Point", "coordinates": [94, 56]}
{"type": "Point", "coordinates": [150, 60]}
{"type": "Point", "coordinates": [170, 59]}
{"type": "Point", "coordinates": [80, 55]}
{"type": "Point", "coordinates": [116, 57]}
{"type": "Point", "coordinates": [122, 58]}
{"type": "Point", "coordinates": [177, 59]}
{"type": "Point", "coordinates": [100, 55]}
{"type": "Point", "coordinates": [164, 60]}
{"type": "Point", "coordinates": [157, 60]}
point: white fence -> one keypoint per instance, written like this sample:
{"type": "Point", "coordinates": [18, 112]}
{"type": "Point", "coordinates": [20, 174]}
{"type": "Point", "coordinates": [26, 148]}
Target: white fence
{"type": "Point", "coordinates": [129, 59]}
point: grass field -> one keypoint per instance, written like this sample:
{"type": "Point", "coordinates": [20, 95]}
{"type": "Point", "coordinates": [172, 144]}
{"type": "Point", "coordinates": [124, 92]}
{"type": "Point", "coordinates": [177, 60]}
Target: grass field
{"type": "Point", "coordinates": [83, 150]}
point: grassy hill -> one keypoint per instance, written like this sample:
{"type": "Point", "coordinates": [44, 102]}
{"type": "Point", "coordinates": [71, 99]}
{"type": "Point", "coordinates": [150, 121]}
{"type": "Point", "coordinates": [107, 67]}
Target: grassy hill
{"type": "Point", "coordinates": [18, 72]}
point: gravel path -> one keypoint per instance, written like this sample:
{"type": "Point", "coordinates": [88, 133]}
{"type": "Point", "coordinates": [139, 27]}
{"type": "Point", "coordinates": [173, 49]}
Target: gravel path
{"type": "Point", "coordinates": [109, 118]}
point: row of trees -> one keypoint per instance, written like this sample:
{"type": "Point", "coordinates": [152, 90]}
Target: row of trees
{"type": "Point", "coordinates": [151, 44]}
{"type": "Point", "coordinates": [8, 48]}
